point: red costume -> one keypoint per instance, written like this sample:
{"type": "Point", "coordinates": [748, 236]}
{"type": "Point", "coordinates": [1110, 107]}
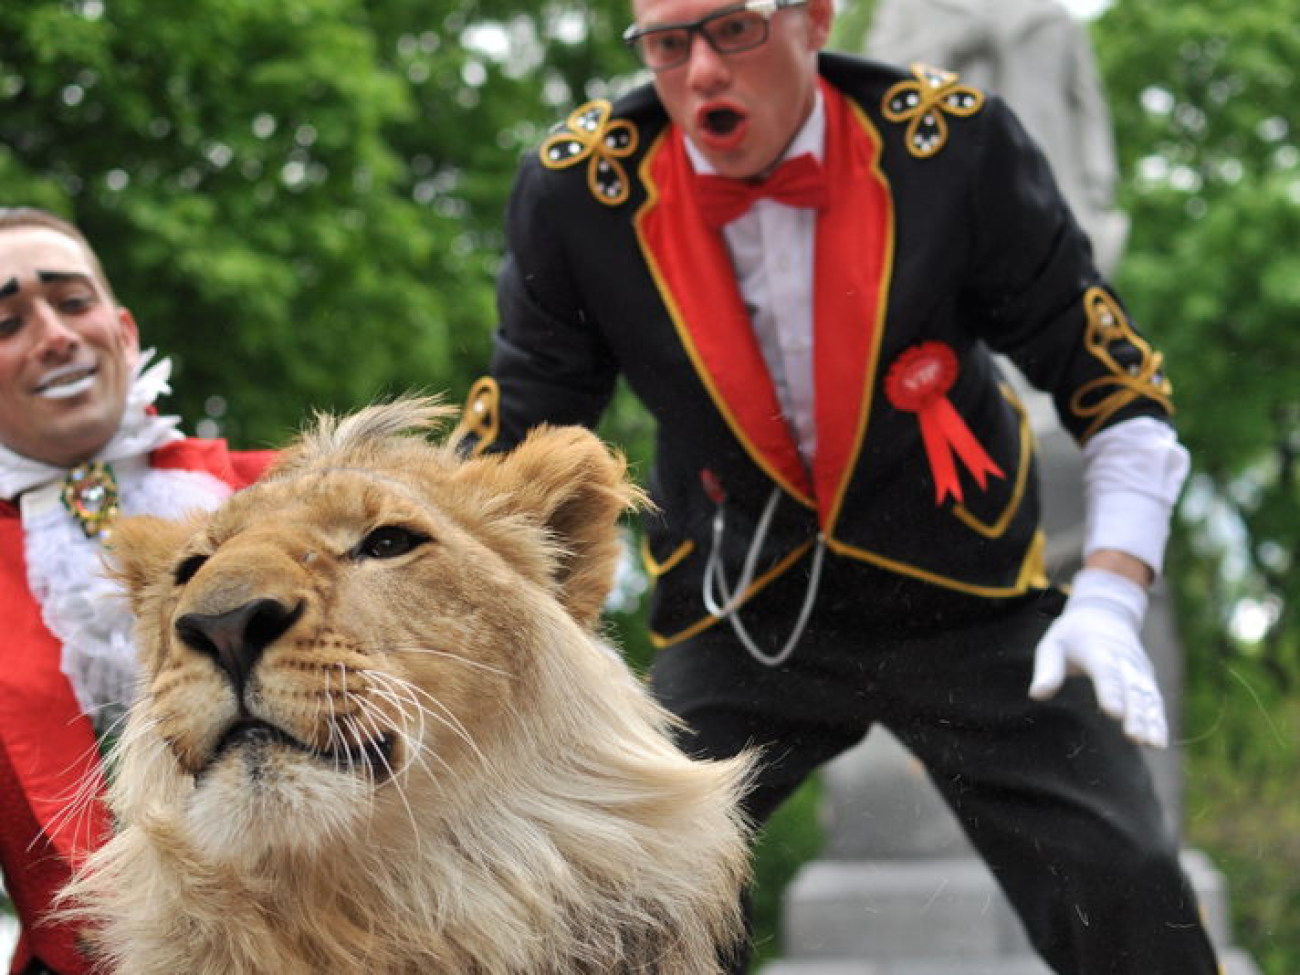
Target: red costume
{"type": "Point", "coordinates": [48, 751]}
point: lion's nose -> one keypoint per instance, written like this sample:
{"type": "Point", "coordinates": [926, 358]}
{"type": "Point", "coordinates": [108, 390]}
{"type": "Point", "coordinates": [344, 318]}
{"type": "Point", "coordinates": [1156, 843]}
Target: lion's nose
{"type": "Point", "coordinates": [236, 638]}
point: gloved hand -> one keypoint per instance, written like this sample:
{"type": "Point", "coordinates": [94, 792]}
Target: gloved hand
{"type": "Point", "coordinates": [1097, 634]}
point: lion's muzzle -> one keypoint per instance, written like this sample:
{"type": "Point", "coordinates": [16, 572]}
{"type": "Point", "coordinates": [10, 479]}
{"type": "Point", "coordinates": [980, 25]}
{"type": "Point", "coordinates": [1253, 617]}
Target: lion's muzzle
{"type": "Point", "coordinates": [236, 638]}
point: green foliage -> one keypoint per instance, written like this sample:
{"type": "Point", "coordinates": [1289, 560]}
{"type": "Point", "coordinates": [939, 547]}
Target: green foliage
{"type": "Point", "coordinates": [791, 837]}
{"type": "Point", "coordinates": [1203, 101]}
{"type": "Point", "coordinates": [300, 199]}
{"type": "Point", "coordinates": [852, 22]}
{"type": "Point", "coordinates": [1240, 734]}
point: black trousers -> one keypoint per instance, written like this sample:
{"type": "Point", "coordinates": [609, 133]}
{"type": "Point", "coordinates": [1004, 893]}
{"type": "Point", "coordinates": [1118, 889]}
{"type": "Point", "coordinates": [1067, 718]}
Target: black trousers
{"type": "Point", "coordinates": [1053, 796]}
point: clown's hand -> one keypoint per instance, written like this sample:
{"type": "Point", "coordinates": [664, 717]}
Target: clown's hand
{"type": "Point", "coordinates": [1097, 634]}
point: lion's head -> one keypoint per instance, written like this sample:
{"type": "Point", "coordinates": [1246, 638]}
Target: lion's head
{"type": "Point", "coordinates": [377, 732]}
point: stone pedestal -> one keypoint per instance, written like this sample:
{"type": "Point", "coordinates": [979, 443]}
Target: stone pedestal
{"type": "Point", "coordinates": [899, 889]}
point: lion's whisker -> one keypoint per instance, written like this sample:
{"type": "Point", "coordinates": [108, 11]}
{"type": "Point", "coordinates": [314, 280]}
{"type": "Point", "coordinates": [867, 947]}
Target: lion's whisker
{"type": "Point", "coordinates": [412, 693]}
{"type": "Point", "coordinates": [340, 725]}
{"type": "Point", "coordinates": [351, 739]}
{"type": "Point", "coordinates": [331, 723]}
{"type": "Point", "coordinates": [449, 655]}
{"type": "Point", "coordinates": [404, 690]}
{"type": "Point", "coordinates": [371, 714]}
{"type": "Point", "coordinates": [399, 691]}
{"type": "Point", "coordinates": [414, 739]}
{"type": "Point", "coordinates": [417, 753]}
{"type": "Point", "coordinates": [414, 736]}
{"type": "Point", "coordinates": [87, 788]}
{"type": "Point", "coordinates": [78, 798]}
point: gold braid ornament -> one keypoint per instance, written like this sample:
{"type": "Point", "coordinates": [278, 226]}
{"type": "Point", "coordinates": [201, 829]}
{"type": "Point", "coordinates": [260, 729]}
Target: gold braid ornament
{"type": "Point", "coordinates": [1103, 397]}
{"type": "Point", "coordinates": [923, 101]}
{"type": "Point", "coordinates": [481, 416]}
{"type": "Point", "coordinates": [590, 134]}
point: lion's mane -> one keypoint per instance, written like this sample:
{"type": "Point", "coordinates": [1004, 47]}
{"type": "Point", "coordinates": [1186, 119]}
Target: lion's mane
{"type": "Point", "coordinates": [378, 733]}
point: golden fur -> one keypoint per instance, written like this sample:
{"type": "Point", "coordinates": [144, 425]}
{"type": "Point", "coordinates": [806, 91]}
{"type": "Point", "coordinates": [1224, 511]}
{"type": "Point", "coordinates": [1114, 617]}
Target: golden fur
{"type": "Point", "coordinates": [378, 734]}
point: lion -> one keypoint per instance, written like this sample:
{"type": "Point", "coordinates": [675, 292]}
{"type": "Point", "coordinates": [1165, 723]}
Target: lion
{"type": "Point", "coordinates": [378, 732]}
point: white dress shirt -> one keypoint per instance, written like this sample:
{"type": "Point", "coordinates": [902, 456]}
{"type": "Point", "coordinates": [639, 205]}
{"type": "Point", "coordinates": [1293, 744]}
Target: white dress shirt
{"type": "Point", "coordinates": [771, 249]}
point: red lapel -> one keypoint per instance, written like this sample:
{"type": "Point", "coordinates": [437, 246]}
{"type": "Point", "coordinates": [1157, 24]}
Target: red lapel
{"type": "Point", "coordinates": [854, 259]}
{"type": "Point", "coordinates": [238, 469]}
{"type": "Point", "coordinates": [693, 272]}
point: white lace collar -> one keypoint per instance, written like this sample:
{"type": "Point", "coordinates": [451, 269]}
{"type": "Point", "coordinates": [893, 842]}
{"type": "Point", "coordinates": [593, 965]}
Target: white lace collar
{"type": "Point", "coordinates": [84, 609]}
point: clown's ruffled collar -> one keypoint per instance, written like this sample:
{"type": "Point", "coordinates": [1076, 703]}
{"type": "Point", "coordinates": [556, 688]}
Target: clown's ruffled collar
{"type": "Point", "coordinates": [80, 605]}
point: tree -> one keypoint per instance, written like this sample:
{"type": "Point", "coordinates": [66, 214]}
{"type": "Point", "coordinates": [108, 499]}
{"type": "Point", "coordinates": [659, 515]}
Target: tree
{"type": "Point", "coordinates": [1202, 97]}
{"type": "Point", "coordinates": [298, 198]}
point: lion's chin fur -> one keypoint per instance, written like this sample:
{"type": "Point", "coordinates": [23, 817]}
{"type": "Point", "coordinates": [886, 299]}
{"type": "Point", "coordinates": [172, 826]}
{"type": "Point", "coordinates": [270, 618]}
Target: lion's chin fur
{"type": "Point", "coordinates": [559, 832]}
{"type": "Point", "coordinates": [594, 849]}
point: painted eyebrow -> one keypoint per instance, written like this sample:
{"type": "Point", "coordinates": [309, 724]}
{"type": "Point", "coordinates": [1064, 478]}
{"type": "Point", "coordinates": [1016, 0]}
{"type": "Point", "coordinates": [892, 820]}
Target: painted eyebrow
{"type": "Point", "coordinates": [62, 277]}
{"type": "Point", "coordinates": [9, 288]}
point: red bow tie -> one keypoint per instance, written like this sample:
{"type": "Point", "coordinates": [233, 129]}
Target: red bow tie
{"type": "Point", "coordinates": [797, 182]}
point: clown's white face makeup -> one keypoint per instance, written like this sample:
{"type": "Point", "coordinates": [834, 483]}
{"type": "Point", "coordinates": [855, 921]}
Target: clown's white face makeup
{"type": "Point", "coordinates": [67, 351]}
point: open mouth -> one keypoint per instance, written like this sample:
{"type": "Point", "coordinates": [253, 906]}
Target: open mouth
{"type": "Point", "coordinates": [722, 121]}
{"type": "Point", "coordinates": [373, 757]}
{"type": "Point", "coordinates": [721, 125]}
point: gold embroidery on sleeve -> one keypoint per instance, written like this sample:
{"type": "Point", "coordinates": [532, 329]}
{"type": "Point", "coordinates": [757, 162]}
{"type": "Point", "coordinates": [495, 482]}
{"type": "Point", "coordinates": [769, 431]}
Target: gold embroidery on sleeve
{"type": "Point", "coordinates": [481, 417]}
{"type": "Point", "coordinates": [1101, 398]}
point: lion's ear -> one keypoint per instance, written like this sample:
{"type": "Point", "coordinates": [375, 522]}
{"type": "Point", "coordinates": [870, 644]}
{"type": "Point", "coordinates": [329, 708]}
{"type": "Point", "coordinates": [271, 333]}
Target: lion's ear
{"type": "Point", "coordinates": [144, 549]}
{"type": "Point", "coordinates": [569, 481]}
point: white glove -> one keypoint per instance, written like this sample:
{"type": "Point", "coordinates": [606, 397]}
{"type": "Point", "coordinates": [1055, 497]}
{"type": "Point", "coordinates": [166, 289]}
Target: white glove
{"type": "Point", "coordinates": [1097, 634]}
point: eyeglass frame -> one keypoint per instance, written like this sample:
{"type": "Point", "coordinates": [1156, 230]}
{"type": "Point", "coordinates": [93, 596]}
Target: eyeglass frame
{"type": "Point", "coordinates": [766, 8]}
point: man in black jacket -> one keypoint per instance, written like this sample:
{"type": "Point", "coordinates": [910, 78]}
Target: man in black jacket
{"type": "Point", "coordinates": [802, 264]}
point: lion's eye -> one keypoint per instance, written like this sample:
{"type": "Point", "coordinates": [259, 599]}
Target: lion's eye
{"type": "Point", "coordinates": [388, 542]}
{"type": "Point", "coordinates": [185, 571]}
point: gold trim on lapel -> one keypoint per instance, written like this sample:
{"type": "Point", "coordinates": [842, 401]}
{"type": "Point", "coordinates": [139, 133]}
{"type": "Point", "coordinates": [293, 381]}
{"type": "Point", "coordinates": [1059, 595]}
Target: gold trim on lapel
{"type": "Point", "coordinates": [859, 178]}
{"type": "Point", "coordinates": [1032, 574]}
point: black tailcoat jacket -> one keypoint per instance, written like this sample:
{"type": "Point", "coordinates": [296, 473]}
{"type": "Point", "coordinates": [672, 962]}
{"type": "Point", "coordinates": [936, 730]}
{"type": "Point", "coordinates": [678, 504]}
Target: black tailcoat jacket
{"type": "Point", "coordinates": [945, 240]}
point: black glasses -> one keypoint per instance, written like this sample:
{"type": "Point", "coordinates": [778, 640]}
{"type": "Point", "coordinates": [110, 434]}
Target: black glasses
{"type": "Point", "coordinates": [730, 30]}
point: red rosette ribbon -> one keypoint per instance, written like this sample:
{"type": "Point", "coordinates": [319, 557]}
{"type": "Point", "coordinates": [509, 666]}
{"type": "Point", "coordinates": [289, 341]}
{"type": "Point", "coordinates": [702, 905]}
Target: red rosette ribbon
{"type": "Point", "coordinates": [918, 382]}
